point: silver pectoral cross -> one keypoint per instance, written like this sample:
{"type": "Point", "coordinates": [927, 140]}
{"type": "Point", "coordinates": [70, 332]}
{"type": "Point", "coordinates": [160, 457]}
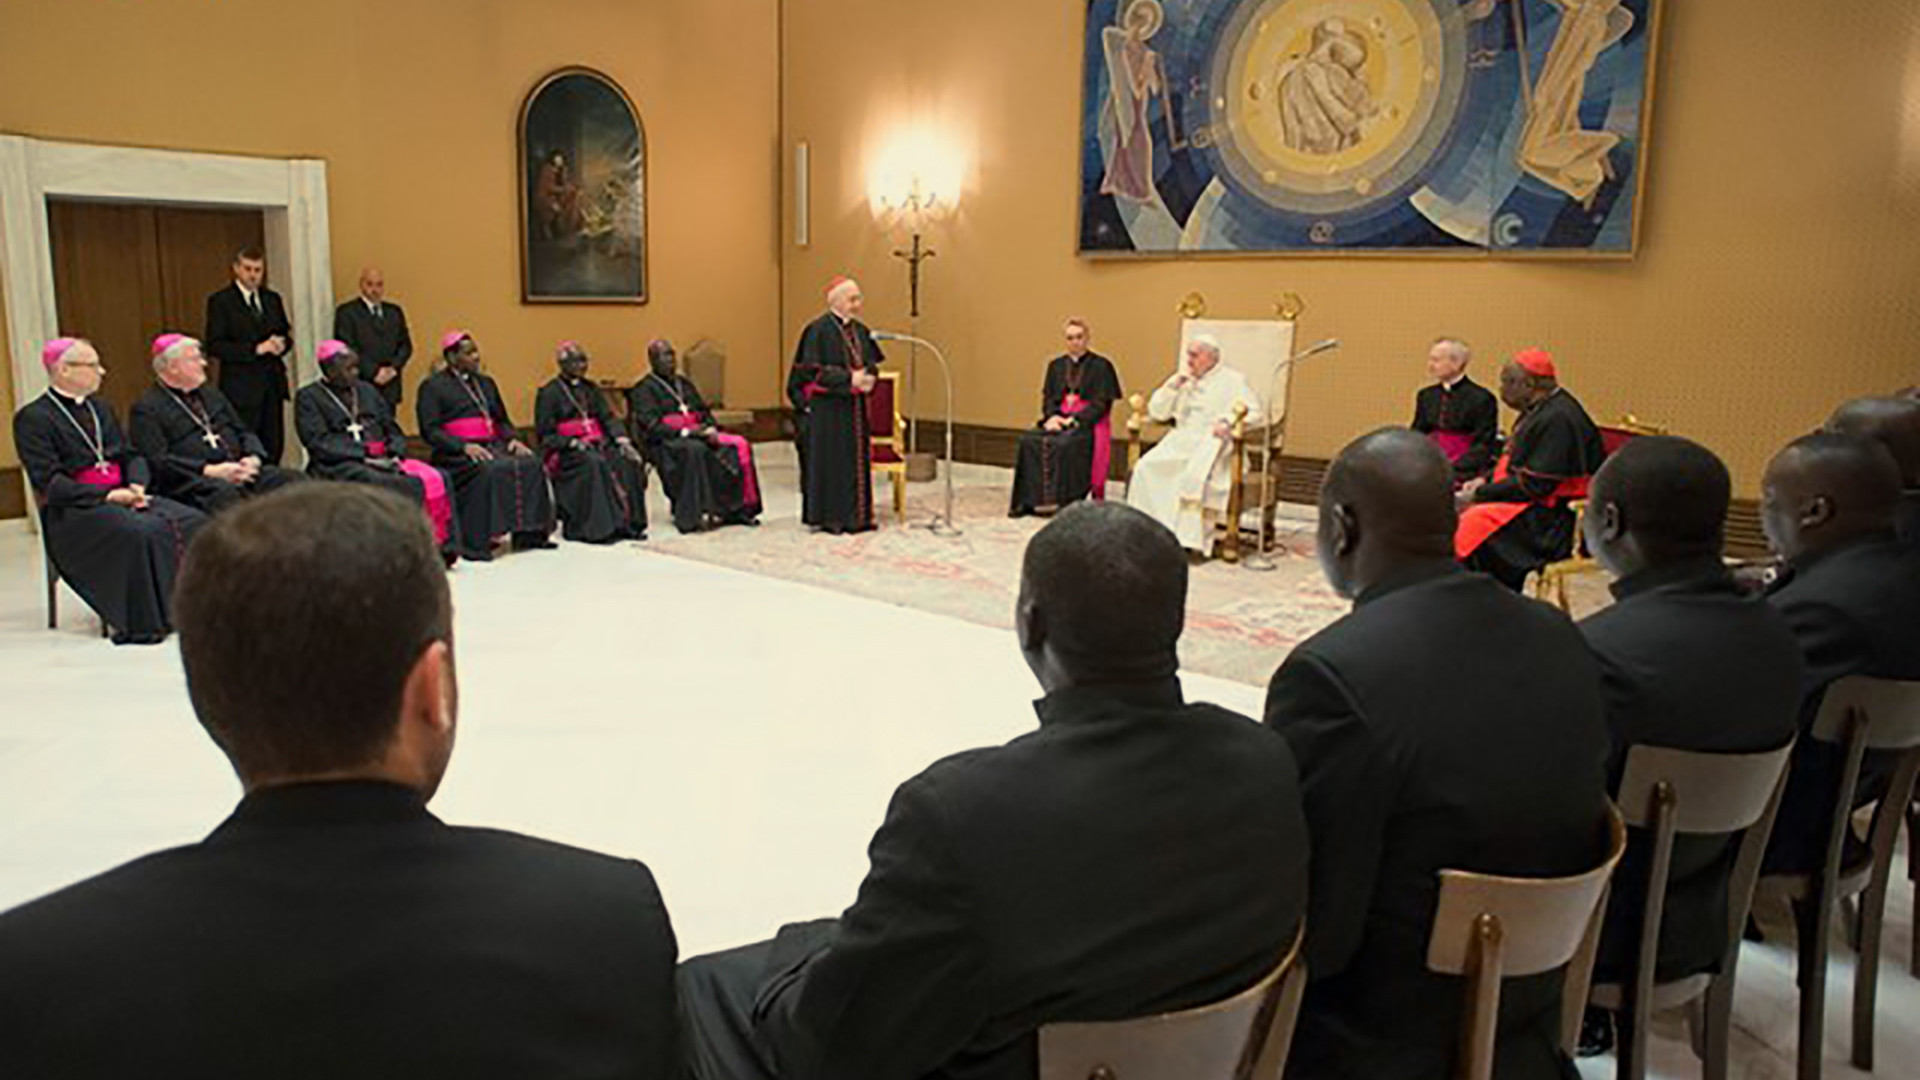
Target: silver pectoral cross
{"type": "Point", "coordinates": [354, 429]}
{"type": "Point", "coordinates": [212, 439]}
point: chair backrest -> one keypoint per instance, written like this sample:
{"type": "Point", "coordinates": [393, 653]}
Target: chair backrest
{"type": "Point", "coordinates": [1624, 430]}
{"type": "Point", "coordinates": [1255, 348]}
{"type": "Point", "coordinates": [1245, 1037]}
{"type": "Point", "coordinates": [883, 417]}
{"type": "Point", "coordinates": [1890, 708]}
{"type": "Point", "coordinates": [706, 365]}
{"type": "Point", "coordinates": [1488, 928]}
{"type": "Point", "coordinates": [1709, 793]}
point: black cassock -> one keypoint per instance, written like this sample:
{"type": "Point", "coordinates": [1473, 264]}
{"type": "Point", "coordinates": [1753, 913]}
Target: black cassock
{"type": "Point", "coordinates": [701, 479]}
{"type": "Point", "coordinates": [180, 433]}
{"type": "Point", "coordinates": [1553, 442]}
{"type": "Point", "coordinates": [342, 430]}
{"type": "Point", "coordinates": [601, 493]}
{"type": "Point", "coordinates": [122, 562]}
{"type": "Point", "coordinates": [1057, 468]}
{"type": "Point", "coordinates": [1465, 420]}
{"type": "Point", "coordinates": [507, 495]}
{"type": "Point", "coordinates": [836, 452]}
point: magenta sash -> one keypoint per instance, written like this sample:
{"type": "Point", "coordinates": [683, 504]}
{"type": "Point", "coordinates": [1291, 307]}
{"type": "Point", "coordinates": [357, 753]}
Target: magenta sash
{"type": "Point", "coordinates": [1074, 405]}
{"type": "Point", "coordinates": [473, 428]}
{"type": "Point", "coordinates": [742, 449]}
{"type": "Point", "coordinates": [681, 421]}
{"type": "Point", "coordinates": [587, 430]}
{"type": "Point", "coordinates": [1454, 444]}
{"type": "Point", "coordinates": [106, 475]}
{"type": "Point", "coordinates": [376, 448]}
{"type": "Point", "coordinates": [439, 505]}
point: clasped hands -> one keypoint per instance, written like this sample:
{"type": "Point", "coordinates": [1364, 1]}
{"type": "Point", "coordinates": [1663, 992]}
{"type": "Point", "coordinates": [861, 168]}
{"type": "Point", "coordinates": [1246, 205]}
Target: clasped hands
{"type": "Point", "coordinates": [242, 472]}
{"type": "Point", "coordinates": [1464, 496]}
{"type": "Point", "coordinates": [133, 497]}
{"type": "Point", "coordinates": [1057, 424]}
{"type": "Point", "coordinates": [863, 381]}
{"type": "Point", "coordinates": [273, 346]}
{"type": "Point", "coordinates": [477, 452]}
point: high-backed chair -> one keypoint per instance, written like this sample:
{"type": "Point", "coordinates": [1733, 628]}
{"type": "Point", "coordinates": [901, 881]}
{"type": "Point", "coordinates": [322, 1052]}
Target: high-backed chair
{"type": "Point", "coordinates": [886, 430]}
{"type": "Point", "coordinates": [1550, 584]}
{"type": "Point", "coordinates": [1489, 928]}
{"type": "Point", "coordinates": [706, 363]}
{"type": "Point", "coordinates": [1857, 714]}
{"type": "Point", "coordinates": [1671, 793]}
{"type": "Point", "coordinates": [1245, 1037]}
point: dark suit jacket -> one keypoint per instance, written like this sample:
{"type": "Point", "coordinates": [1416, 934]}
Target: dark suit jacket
{"type": "Point", "coordinates": [1445, 724]}
{"type": "Point", "coordinates": [1855, 610]}
{"type": "Point", "coordinates": [1691, 662]}
{"type": "Point", "coordinates": [233, 331]}
{"type": "Point", "coordinates": [335, 930]}
{"type": "Point", "coordinates": [382, 342]}
{"type": "Point", "coordinates": [1134, 855]}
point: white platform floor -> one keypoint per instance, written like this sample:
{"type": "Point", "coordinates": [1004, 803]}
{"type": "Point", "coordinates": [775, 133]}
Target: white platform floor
{"type": "Point", "coordinates": [739, 734]}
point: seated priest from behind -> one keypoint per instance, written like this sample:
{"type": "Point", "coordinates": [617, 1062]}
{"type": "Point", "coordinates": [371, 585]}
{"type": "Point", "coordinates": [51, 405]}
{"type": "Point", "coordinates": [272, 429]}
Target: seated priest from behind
{"type": "Point", "coordinates": [1851, 595]}
{"type": "Point", "coordinates": [1417, 755]}
{"type": "Point", "coordinates": [599, 479]}
{"type": "Point", "coordinates": [1459, 415]}
{"type": "Point", "coordinates": [351, 435]}
{"type": "Point", "coordinates": [1893, 422]}
{"type": "Point", "coordinates": [1135, 855]}
{"type": "Point", "coordinates": [1067, 456]}
{"type": "Point", "coordinates": [193, 440]}
{"type": "Point", "coordinates": [499, 488]}
{"type": "Point", "coordinates": [835, 367]}
{"type": "Point", "coordinates": [709, 474]}
{"type": "Point", "coordinates": [332, 926]}
{"type": "Point", "coordinates": [116, 544]}
{"type": "Point", "coordinates": [1522, 519]}
{"type": "Point", "coordinates": [1184, 482]}
{"type": "Point", "coordinates": [1688, 660]}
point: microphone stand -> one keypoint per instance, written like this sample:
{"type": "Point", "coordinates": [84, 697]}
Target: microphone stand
{"type": "Point", "coordinates": [1260, 560]}
{"type": "Point", "coordinates": [942, 524]}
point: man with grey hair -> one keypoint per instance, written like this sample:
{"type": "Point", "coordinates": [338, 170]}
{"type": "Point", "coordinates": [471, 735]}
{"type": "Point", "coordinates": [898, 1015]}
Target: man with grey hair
{"type": "Point", "coordinates": [200, 452]}
{"type": "Point", "coordinates": [1183, 481]}
{"type": "Point", "coordinates": [1459, 415]}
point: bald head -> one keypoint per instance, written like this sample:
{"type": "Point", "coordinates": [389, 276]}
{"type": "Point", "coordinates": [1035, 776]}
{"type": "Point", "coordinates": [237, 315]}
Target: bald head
{"type": "Point", "coordinates": [1658, 500]}
{"type": "Point", "coordinates": [1103, 597]}
{"type": "Point", "coordinates": [1825, 490]}
{"type": "Point", "coordinates": [373, 284]}
{"type": "Point", "coordinates": [1387, 504]}
{"type": "Point", "coordinates": [1893, 422]}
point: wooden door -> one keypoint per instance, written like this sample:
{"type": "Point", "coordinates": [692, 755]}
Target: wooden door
{"type": "Point", "coordinates": [124, 273]}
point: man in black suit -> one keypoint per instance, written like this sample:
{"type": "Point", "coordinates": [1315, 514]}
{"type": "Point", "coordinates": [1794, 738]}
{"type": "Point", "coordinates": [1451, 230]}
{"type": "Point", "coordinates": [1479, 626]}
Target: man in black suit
{"type": "Point", "coordinates": [1850, 594]}
{"type": "Point", "coordinates": [1893, 422]}
{"type": "Point", "coordinates": [248, 332]}
{"type": "Point", "coordinates": [375, 328]}
{"type": "Point", "coordinates": [1688, 660]}
{"type": "Point", "coordinates": [1446, 723]}
{"type": "Point", "coordinates": [332, 926]}
{"type": "Point", "coordinates": [1135, 855]}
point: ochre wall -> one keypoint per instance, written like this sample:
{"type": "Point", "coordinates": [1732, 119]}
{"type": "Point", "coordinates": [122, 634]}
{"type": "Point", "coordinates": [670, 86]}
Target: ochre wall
{"type": "Point", "coordinates": [413, 105]}
{"type": "Point", "coordinates": [1777, 273]}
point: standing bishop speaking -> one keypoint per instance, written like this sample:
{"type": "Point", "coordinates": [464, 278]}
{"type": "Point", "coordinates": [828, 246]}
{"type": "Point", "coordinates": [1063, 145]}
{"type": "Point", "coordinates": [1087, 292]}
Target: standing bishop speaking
{"type": "Point", "coordinates": [833, 371]}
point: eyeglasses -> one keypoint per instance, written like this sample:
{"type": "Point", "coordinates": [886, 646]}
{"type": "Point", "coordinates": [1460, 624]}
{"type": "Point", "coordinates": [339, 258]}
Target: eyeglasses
{"type": "Point", "coordinates": [84, 364]}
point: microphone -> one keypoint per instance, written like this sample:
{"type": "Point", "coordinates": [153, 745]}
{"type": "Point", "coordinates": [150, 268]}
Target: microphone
{"type": "Point", "coordinates": [890, 335]}
{"type": "Point", "coordinates": [1325, 346]}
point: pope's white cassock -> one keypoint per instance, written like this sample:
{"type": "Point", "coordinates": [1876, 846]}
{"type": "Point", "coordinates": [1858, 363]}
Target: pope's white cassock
{"type": "Point", "coordinates": [1184, 481]}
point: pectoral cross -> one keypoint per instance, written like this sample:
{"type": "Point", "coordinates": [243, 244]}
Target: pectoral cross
{"type": "Point", "coordinates": [354, 429]}
{"type": "Point", "coordinates": [212, 439]}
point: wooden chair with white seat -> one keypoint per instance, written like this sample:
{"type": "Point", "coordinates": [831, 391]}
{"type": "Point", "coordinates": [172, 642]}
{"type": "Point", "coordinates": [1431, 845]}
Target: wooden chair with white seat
{"type": "Point", "coordinates": [1673, 793]}
{"type": "Point", "coordinates": [1245, 1037]}
{"type": "Point", "coordinates": [1488, 928]}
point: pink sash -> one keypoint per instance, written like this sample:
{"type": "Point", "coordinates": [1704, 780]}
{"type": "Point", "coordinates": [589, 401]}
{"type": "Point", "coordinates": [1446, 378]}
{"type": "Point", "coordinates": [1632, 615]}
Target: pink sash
{"type": "Point", "coordinates": [742, 449]}
{"type": "Point", "coordinates": [376, 448]}
{"type": "Point", "coordinates": [587, 430]}
{"type": "Point", "coordinates": [472, 428]}
{"type": "Point", "coordinates": [101, 476]}
{"type": "Point", "coordinates": [1454, 444]}
{"type": "Point", "coordinates": [1074, 405]}
{"type": "Point", "coordinates": [439, 505]}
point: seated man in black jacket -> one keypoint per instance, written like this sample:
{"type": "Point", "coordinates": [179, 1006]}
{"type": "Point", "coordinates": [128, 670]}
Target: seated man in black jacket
{"type": "Point", "coordinates": [1446, 723]}
{"type": "Point", "coordinates": [1893, 422]}
{"type": "Point", "coordinates": [1135, 855]}
{"type": "Point", "coordinates": [1850, 594]}
{"type": "Point", "coordinates": [1688, 660]}
{"type": "Point", "coordinates": [333, 927]}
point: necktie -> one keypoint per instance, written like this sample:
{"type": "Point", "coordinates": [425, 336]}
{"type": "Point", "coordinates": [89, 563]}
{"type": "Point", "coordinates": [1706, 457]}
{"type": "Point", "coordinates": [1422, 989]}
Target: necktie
{"type": "Point", "coordinates": [253, 302]}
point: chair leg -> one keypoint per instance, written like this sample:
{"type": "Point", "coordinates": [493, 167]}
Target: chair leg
{"type": "Point", "coordinates": [1872, 909]}
{"type": "Point", "coordinates": [900, 496]}
{"type": "Point", "coordinates": [1629, 1042]}
{"type": "Point", "coordinates": [1813, 915]}
{"type": "Point", "coordinates": [53, 595]}
{"type": "Point", "coordinates": [1913, 875]}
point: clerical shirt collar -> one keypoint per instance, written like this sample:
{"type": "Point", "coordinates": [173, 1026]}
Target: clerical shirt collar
{"type": "Point", "coordinates": [1102, 700]}
{"type": "Point", "coordinates": [1418, 574]}
{"type": "Point", "coordinates": [326, 803]}
{"type": "Point", "coordinates": [1450, 384]}
{"type": "Point", "coordinates": [67, 398]}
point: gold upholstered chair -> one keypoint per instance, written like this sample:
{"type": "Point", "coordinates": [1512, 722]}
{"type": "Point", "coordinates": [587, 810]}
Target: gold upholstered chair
{"type": "Point", "coordinates": [886, 431]}
{"type": "Point", "coordinates": [1245, 1037]}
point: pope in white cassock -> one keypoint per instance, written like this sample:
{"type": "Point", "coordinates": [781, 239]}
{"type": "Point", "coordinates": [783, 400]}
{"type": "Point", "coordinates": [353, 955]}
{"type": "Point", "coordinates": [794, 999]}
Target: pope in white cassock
{"type": "Point", "coordinates": [1184, 481]}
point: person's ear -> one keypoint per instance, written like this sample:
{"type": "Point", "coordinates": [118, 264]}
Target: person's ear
{"type": "Point", "coordinates": [1030, 624]}
{"type": "Point", "coordinates": [1816, 512]}
{"type": "Point", "coordinates": [1613, 523]}
{"type": "Point", "coordinates": [1346, 530]}
{"type": "Point", "coordinates": [430, 697]}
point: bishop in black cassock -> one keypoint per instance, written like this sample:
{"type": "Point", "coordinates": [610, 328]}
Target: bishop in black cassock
{"type": "Point", "coordinates": [116, 545]}
{"type": "Point", "coordinates": [1458, 414]}
{"type": "Point", "coordinates": [499, 488]}
{"type": "Point", "coordinates": [709, 474]}
{"type": "Point", "coordinates": [199, 449]}
{"type": "Point", "coordinates": [375, 328]}
{"type": "Point", "coordinates": [1521, 520]}
{"type": "Point", "coordinates": [351, 435]}
{"type": "Point", "coordinates": [1067, 455]}
{"type": "Point", "coordinates": [599, 479]}
{"type": "Point", "coordinates": [833, 371]}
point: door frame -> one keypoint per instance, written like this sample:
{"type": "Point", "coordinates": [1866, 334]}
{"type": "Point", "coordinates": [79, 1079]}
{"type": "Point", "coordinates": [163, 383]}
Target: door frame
{"type": "Point", "coordinates": [291, 192]}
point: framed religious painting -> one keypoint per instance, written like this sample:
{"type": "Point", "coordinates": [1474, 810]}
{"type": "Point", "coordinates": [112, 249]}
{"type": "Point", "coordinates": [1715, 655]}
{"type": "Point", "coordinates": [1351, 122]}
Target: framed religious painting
{"type": "Point", "coordinates": [583, 192]}
{"type": "Point", "coordinates": [1403, 127]}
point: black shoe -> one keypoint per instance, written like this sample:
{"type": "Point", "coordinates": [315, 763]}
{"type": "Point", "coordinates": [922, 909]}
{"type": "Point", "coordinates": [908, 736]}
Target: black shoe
{"type": "Point", "coordinates": [1596, 1034]}
{"type": "Point", "coordinates": [533, 542]}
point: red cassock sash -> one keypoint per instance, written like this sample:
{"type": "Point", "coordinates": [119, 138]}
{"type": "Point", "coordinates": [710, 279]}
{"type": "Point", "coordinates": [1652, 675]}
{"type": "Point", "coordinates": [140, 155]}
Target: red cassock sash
{"type": "Point", "coordinates": [1074, 405]}
{"type": "Point", "coordinates": [472, 428]}
{"type": "Point", "coordinates": [104, 475]}
{"type": "Point", "coordinates": [749, 480]}
{"type": "Point", "coordinates": [1454, 444]}
{"type": "Point", "coordinates": [1480, 521]}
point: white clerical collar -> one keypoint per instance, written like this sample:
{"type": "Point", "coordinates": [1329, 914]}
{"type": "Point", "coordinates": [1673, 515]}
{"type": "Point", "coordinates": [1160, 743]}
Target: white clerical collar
{"type": "Point", "coordinates": [1449, 384]}
{"type": "Point", "coordinates": [69, 398]}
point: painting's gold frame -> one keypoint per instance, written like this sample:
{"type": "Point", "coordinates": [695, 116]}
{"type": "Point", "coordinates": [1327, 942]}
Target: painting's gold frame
{"type": "Point", "coordinates": [527, 295]}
